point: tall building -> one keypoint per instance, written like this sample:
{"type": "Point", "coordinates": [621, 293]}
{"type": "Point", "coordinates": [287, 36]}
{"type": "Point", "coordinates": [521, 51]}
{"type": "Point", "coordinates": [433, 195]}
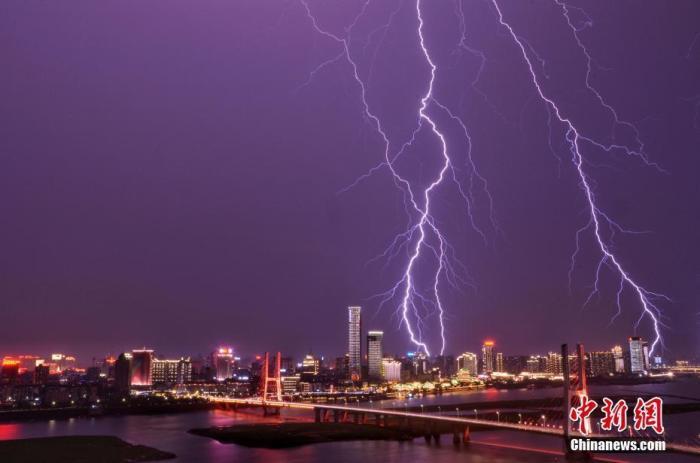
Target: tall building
{"type": "Point", "coordinates": [536, 364]}
{"type": "Point", "coordinates": [499, 363]}
{"type": "Point", "coordinates": [172, 371]}
{"type": "Point", "coordinates": [355, 342]}
{"type": "Point", "coordinates": [391, 370]}
{"type": "Point", "coordinates": [290, 383]}
{"type": "Point", "coordinates": [222, 362]}
{"type": "Point", "coordinates": [645, 356]}
{"type": "Point", "coordinates": [41, 374]}
{"type": "Point", "coordinates": [419, 364]}
{"type": "Point", "coordinates": [122, 374]}
{"type": "Point", "coordinates": [63, 362]}
{"type": "Point", "coordinates": [141, 367]}
{"type": "Point", "coordinates": [601, 363]}
{"type": "Point", "coordinates": [310, 365]}
{"type": "Point", "coordinates": [619, 359]}
{"type": "Point", "coordinates": [9, 371]}
{"type": "Point", "coordinates": [636, 355]}
{"type": "Point", "coordinates": [374, 354]}
{"type": "Point", "coordinates": [487, 357]}
{"type": "Point", "coordinates": [554, 363]}
{"type": "Point", "coordinates": [468, 362]}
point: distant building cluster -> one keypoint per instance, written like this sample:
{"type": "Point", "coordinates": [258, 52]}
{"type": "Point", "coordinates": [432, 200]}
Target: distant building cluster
{"type": "Point", "coordinates": [57, 380]}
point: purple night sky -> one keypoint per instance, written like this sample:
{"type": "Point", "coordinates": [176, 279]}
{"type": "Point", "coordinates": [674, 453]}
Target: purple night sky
{"type": "Point", "coordinates": [168, 180]}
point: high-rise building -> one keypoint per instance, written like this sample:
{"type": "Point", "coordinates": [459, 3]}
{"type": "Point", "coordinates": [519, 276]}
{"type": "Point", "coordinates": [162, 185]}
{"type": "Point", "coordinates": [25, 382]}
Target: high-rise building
{"type": "Point", "coordinates": [222, 362]}
{"type": "Point", "coordinates": [41, 374]}
{"type": "Point", "coordinates": [391, 370]}
{"type": "Point", "coordinates": [9, 371]}
{"type": "Point", "coordinates": [499, 363]}
{"type": "Point", "coordinates": [310, 365]}
{"type": "Point", "coordinates": [290, 383]}
{"type": "Point", "coordinates": [487, 357]}
{"type": "Point", "coordinates": [468, 362]}
{"type": "Point", "coordinates": [554, 364]}
{"type": "Point", "coordinates": [374, 354]}
{"type": "Point", "coordinates": [141, 367]}
{"type": "Point", "coordinates": [637, 361]}
{"type": "Point", "coordinates": [536, 364]}
{"type": "Point", "coordinates": [619, 359]}
{"type": "Point", "coordinates": [172, 371]}
{"type": "Point", "coordinates": [122, 374]}
{"type": "Point", "coordinates": [601, 363]}
{"type": "Point", "coordinates": [645, 356]}
{"type": "Point", "coordinates": [419, 361]}
{"type": "Point", "coordinates": [355, 343]}
{"type": "Point", "coordinates": [62, 362]}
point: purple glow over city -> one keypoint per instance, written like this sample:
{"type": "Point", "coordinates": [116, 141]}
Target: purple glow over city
{"type": "Point", "coordinates": [238, 229]}
{"type": "Point", "coordinates": [190, 177]}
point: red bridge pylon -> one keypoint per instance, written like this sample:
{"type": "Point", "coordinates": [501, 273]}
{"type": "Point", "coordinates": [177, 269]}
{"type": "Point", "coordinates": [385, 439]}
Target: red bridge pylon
{"type": "Point", "coordinates": [274, 392]}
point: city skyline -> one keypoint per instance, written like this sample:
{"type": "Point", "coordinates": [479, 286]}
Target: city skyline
{"type": "Point", "coordinates": [489, 357]}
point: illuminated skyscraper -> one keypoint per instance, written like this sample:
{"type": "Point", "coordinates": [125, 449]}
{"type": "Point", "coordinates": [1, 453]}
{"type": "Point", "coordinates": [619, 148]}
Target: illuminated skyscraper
{"type": "Point", "coordinates": [62, 362]}
{"type": "Point", "coordinates": [487, 356]}
{"type": "Point", "coordinates": [172, 371]}
{"type": "Point", "coordinates": [619, 359]}
{"type": "Point", "coordinates": [636, 355]}
{"type": "Point", "coordinates": [310, 365]}
{"type": "Point", "coordinates": [554, 363]}
{"type": "Point", "coordinates": [355, 342]}
{"type": "Point", "coordinates": [645, 355]}
{"type": "Point", "coordinates": [391, 370]}
{"type": "Point", "coordinates": [468, 362]}
{"type": "Point", "coordinates": [374, 354]}
{"type": "Point", "coordinates": [141, 367]}
{"type": "Point", "coordinates": [9, 371]}
{"type": "Point", "coordinates": [499, 363]}
{"type": "Point", "coordinates": [222, 361]}
{"type": "Point", "coordinates": [601, 363]}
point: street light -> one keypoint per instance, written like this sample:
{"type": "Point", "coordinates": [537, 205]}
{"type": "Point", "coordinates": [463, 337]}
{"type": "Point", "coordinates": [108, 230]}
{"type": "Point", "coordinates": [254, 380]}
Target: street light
{"type": "Point", "coordinates": [544, 420]}
{"type": "Point", "coordinates": [520, 418]}
{"type": "Point", "coordinates": [421, 409]}
{"type": "Point", "coordinates": [476, 414]}
{"type": "Point", "coordinates": [457, 411]}
{"type": "Point", "coordinates": [498, 416]}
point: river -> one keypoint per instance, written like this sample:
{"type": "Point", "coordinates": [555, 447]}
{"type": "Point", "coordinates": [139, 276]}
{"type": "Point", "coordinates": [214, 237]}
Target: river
{"type": "Point", "coordinates": [169, 433]}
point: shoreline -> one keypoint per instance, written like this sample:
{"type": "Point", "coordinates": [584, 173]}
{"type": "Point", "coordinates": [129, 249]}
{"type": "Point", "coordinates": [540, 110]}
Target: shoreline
{"type": "Point", "coordinates": [79, 449]}
{"type": "Point", "coordinates": [296, 434]}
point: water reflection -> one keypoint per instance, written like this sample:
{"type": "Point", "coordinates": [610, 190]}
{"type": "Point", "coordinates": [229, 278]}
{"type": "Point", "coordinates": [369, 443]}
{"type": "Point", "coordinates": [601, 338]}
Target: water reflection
{"type": "Point", "coordinates": [169, 433]}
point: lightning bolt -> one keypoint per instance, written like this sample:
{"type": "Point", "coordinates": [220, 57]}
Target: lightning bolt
{"type": "Point", "coordinates": [423, 240]}
{"type": "Point", "coordinates": [576, 139]}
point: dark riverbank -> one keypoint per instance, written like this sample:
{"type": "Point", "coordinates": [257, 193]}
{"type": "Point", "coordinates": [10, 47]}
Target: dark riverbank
{"type": "Point", "coordinates": [78, 449]}
{"type": "Point", "coordinates": [285, 435]}
{"type": "Point", "coordinates": [135, 407]}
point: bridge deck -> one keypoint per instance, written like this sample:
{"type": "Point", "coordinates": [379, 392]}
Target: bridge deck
{"type": "Point", "coordinates": [682, 448]}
